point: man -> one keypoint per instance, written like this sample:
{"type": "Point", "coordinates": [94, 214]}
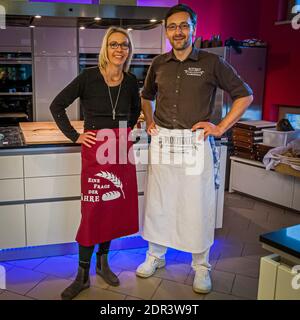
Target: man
{"type": "Point", "coordinates": [180, 209]}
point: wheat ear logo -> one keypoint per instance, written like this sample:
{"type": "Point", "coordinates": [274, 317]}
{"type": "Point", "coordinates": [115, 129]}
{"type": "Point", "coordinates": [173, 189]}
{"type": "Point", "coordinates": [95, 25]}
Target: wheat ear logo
{"type": "Point", "coordinates": [2, 17]}
{"type": "Point", "coordinates": [115, 181]}
{"type": "Point", "coordinates": [296, 19]}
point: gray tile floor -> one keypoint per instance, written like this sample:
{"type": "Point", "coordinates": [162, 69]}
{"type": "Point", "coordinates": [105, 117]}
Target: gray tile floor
{"type": "Point", "coordinates": [235, 260]}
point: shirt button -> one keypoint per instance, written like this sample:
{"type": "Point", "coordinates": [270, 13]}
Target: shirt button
{"type": "Point", "coordinates": [174, 105]}
{"type": "Point", "coordinates": [176, 91]}
{"type": "Point", "coordinates": [174, 120]}
{"type": "Point", "coordinates": [178, 77]}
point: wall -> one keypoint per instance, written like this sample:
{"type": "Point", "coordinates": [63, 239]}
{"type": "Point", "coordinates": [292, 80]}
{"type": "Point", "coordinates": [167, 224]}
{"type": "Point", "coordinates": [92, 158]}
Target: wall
{"type": "Point", "coordinates": [283, 68]}
{"type": "Point", "coordinates": [226, 17]}
{"type": "Point", "coordinates": [256, 19]}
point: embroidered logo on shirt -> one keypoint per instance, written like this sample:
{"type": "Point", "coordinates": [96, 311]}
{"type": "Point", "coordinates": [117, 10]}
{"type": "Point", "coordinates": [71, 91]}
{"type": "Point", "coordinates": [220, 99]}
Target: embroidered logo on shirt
{"type": "Point", "coordinates": [198, 72]}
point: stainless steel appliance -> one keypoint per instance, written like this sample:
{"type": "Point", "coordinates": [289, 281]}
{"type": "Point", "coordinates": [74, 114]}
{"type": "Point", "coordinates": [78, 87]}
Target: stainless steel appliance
{"type": "Point", "coordinates": [250, 63]}
{"type": "Point", "coordinates": [15, 87]}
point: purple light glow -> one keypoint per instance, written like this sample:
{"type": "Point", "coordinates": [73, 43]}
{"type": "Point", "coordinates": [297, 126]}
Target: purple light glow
{"type": "Point", "coordinates": [157, 3]}
{"type": "Point", "coordinates": [69, 1]}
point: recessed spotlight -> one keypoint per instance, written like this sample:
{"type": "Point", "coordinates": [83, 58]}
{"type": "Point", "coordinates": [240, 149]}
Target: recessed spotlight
{"type": "Point", "coordinates": [38, 16]}
{"type": "Point", "coordinates": [129, 29]}
{"type": "Point", "coordinates": [32, 26]}
{"type": "Point", "coordinates": [97, 18]}
{"type": "Point", "coordinates": [153, 20]}
{"type": "Point", "coordinates": [82, 28]}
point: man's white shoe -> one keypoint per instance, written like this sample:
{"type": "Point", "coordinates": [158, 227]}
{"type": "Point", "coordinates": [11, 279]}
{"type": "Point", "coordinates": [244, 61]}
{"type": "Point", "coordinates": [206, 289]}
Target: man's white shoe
{"type": "Point", "coordinates": [148, 268]}
{"type": "Point", "coordinates": [202, 281]}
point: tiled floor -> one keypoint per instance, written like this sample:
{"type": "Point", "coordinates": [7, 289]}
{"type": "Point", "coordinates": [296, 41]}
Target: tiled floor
{"type": "Point", "coordinates": [234, 257]}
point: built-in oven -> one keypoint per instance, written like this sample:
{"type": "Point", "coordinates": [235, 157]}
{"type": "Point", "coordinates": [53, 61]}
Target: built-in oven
{"type": "Point", "coordinates": [139, 66]}
{"type": "Point", "coordinates": [15, 87]}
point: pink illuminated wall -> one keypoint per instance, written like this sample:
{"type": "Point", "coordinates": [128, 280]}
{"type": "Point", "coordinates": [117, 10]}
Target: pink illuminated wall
{"type": "Point", "coordinates": [256, 18]}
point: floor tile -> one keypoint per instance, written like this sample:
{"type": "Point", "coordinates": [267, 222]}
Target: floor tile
{"type": "Point", "coordinates": [29, 263]}
{"type": "Point", "coordinates": [242, 266]}
{"type": "Point", "coordinates": [49, 289]}
{"type": "Point", "coordinates": [127, 261]}
{"type": "Point", "coordinates": [170, 290]}
{"type": "Point", "coordinates": [94, 293]}
{"type": "Point", "coordinates": [174, 271]}
{"type": "Point", "coordinates": [7, 295]}
{"type": "Point", "coordinates": [245, 287]}
{"type": "Point", "coordinates": [135, 286]}
{"type": "Point", "coordinates": [218, 296]}
{"type": "Point", "coordinates": [132, 298]}
{"type": "Point", "coordinates": [254, 251]}
{"type": "Point", "coordinates": [58, 266]}
{"type": "Point", "coordinates": [241, 202]}
{"type": "Point", "coordinates": [19, 280]}
{"type": "Point", "coordinates": [221, 281]}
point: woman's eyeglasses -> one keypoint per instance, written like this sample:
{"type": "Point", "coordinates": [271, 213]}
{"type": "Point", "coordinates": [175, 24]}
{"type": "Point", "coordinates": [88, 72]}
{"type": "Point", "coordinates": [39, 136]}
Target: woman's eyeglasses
{"type": "Point", "coordinates": [182, 26]}
{"type": "Point", "coordinates": [115, 45]}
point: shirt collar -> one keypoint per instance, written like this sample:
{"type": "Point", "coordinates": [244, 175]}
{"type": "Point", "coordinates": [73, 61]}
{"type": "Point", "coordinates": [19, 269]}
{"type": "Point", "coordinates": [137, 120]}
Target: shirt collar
{"type": "Point", "coordinates": [194, 55]}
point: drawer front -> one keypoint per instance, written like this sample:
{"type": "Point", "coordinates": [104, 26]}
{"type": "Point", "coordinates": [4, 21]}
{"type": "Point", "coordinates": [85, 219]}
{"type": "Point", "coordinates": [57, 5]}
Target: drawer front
{"type": "Point", "coordinates": [52, 187]}
{"type": "Point", "coordinates": [47, 165]}
{"type": "Point", "coordinates": [258, 182]}
{"type": "Point", "coordinates": [284, 289]}
{"type": "Point", "coordinates": [296, 196]}
{"type": "Point", "coordinates": [12, 226]}
{"type": "Point", "coordinates": [52, 223]}
{"type": "Point", "coordinates": [11, 190]}
{"type": "Point", "coordinates": [11, 167]}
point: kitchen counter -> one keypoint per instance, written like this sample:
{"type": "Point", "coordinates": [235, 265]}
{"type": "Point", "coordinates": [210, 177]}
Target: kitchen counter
{"type": "Point", "coordinates": [14, 143]}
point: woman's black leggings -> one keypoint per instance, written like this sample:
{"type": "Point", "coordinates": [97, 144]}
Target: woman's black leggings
{"type": "Point", "coordinates": [85, 253]}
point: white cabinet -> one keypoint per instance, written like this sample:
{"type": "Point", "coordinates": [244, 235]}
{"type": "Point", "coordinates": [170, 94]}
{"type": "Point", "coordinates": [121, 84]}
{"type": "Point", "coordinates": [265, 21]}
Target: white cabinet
{"type": "Point", "coordinates": [296, 195]}
{"type": "Point", "coordinates": [148, 41]}
{"type": "Point", "coordinates": [52, 74]}
{"type": "Point", "coordinates": [15, 38]}
{"type": "Point", "coordinates": [12, 226]}
{"type": "Point", "coordinates": [275, 280]}
{"type": "Point", "coordinates": [52, 223]}
{"type": "Point", "coordinates": [51, 41]}
{"type": "Point", "coordinates": [11, 190]}
{"type": "Point", "coordinates": [46, 165]}
{"type": "Point", "coordinates": [251, 177]}
{"type": "Point", "coordinates": [90, 40]}
{"type": "Point", "coordinates": [11, 167]}
{"type": "Point", "coordinates": [52, 187]}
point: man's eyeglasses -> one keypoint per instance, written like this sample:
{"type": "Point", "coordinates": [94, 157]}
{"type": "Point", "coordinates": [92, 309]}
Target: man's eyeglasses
{"type": "Point", "coordinates": [182, 26]}
{"type": "Point", "coordinates": [116, 45]}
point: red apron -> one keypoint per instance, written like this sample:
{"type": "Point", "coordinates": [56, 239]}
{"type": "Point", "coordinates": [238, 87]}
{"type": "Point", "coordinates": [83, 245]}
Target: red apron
{"type": "Point", "coordinates": [109, 196]}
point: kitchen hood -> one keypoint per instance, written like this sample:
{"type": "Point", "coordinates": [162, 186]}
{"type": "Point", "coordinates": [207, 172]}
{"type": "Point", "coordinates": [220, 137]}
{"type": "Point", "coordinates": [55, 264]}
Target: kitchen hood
{"type": "Point", "coordinates": [22, 13]}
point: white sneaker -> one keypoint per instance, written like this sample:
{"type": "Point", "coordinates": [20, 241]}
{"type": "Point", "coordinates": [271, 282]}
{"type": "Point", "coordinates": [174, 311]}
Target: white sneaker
{"type": "Point", "coordinates": [148, 268]}
{"type": "Point", "coordinates": [202, 281]}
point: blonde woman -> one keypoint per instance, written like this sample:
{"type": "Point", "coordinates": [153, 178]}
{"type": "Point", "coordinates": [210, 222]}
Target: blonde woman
{"type": "Point", "coordinates": [108, 94]}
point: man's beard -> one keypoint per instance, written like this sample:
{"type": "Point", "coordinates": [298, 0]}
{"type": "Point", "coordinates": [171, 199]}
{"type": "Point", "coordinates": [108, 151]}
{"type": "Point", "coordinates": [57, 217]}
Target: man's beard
{"type": "Point", "coordinates": [185, 42]}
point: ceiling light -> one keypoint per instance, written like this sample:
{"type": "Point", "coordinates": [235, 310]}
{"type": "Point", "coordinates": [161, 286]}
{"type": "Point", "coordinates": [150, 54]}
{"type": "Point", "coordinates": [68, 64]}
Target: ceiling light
{"type": "Point", "coordinates": [129, 29]}
{"type": "Point", "coordinates": [38, 16]}
{"type": "Point", "coordinates": [31, 26]}
{"type": "Point", "coordinates": [153, 20]}
{"type": "Point", "coordinates": [82, 28]}
{"type": "Point", "coordinates": [97, 18]}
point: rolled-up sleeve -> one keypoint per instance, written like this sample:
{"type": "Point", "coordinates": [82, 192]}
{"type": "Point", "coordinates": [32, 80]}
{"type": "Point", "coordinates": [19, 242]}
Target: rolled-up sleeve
{"type": "Point", "coordinates": [228, 79]}
{"type": "Point", "coordinates": [150, 88]}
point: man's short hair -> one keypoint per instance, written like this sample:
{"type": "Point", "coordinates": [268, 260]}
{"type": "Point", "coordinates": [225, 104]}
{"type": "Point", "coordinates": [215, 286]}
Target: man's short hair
{"type": "Point", "coordinates": [182, 8]}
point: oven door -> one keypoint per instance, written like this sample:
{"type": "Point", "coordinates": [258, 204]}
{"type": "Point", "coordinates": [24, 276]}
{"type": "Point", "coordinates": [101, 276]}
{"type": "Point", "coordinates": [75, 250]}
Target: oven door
{"type": "Point", "coordinates": [15, 87]}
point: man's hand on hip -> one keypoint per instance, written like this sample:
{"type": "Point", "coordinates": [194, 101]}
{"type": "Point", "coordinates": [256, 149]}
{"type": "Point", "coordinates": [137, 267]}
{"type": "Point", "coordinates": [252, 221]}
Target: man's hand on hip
{"type": "Point", "coordinates": [209, 129]}
{"type": "Point", "coordinates": [151, 129]}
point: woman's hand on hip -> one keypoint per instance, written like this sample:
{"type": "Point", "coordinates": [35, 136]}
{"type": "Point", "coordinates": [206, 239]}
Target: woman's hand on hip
{"type": "Point", "coordinates": [87, 138]}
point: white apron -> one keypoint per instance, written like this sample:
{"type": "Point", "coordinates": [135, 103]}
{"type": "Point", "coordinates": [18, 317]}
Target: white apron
{"type": "Point", "coordinates": [179, 198]}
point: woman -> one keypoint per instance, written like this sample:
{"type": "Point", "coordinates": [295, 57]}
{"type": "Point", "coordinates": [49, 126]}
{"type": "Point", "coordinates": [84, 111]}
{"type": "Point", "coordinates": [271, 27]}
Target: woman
{"type": "Point", "coordinates": [108, 94]}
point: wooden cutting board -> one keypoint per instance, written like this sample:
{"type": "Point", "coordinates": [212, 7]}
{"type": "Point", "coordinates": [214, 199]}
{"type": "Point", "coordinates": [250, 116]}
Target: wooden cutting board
{"type": "Point", "coordinates": [46, 132]}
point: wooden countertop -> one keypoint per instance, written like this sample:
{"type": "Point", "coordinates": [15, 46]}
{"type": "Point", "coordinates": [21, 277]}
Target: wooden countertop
{"type": "Point", "coordinates": [46, 132]}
